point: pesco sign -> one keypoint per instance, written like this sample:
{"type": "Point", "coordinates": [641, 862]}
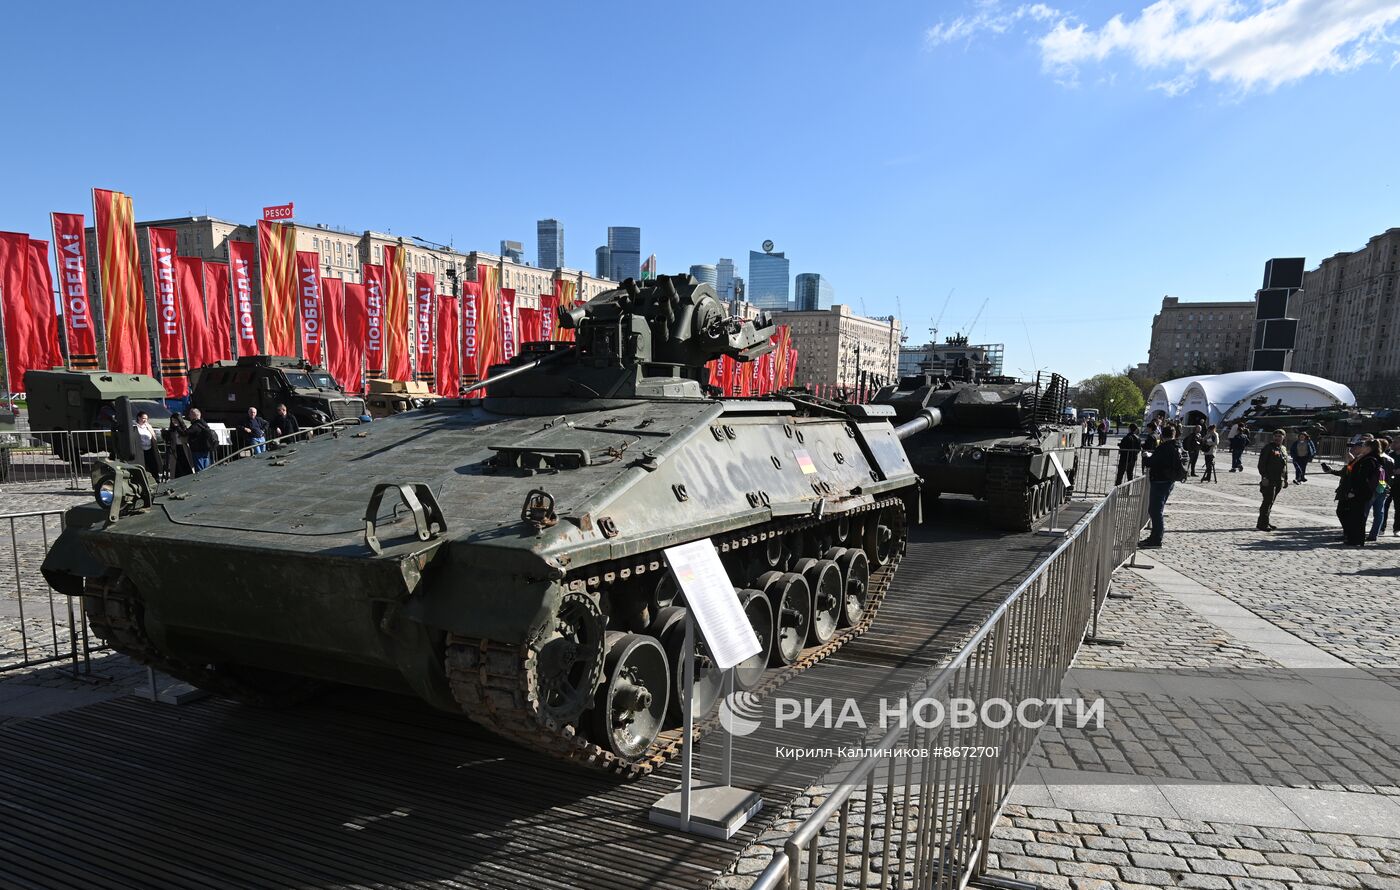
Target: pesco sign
{"type": "Point", "coordinates": [278, 211]}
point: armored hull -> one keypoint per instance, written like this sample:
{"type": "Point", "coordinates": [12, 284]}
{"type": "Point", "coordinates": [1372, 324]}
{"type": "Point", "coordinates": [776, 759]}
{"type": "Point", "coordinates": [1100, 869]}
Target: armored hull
{"type": "Point", "coordinates": [504, 558]}
{"type": "Point", "coordinates": [995, 442]}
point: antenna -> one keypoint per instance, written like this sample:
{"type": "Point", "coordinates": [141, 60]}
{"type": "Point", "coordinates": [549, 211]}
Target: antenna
{"type": "Point", "coordinates": [1027, 329]}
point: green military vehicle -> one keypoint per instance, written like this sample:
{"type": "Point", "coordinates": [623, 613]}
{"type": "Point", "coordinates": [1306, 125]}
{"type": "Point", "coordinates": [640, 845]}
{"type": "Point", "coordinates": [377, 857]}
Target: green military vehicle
{"type": "Point", "coordinates": [84, 403]}
{"type": "Point", "coordinates": [224, 391]}
{"type": "Point", "coordinates": [995, 442]}
{"type": "Point", "coordinates": [505, 557]}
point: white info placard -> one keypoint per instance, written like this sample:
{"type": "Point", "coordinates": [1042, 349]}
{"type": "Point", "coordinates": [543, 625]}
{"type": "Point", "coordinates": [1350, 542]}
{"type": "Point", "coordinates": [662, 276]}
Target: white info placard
{"type": "Point", "coordinates": [711, 599]}
{"type": "Point", "coordinates": [1059, 469]}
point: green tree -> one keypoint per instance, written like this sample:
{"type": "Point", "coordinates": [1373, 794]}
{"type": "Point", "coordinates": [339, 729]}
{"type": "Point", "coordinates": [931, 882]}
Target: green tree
{"type": "Point", "coordinates": [1112, 394]}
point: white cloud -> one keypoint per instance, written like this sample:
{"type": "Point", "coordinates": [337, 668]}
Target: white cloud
{"type": "Point", "coordinates": [1243, 44]}
{"type": "Point", "coordinates": [990, 16]}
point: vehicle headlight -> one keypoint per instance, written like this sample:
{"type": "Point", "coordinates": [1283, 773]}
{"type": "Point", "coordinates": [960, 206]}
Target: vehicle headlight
{"type": "Point", "coordinates": [104, 491]}
{"type": "Point", "coordinates": [977, 453]}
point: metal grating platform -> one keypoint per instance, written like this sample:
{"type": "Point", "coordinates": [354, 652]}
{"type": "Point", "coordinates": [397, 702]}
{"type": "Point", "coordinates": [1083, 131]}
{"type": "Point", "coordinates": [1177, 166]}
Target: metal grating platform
{"type": "Point", "coordinates": [369, 790]}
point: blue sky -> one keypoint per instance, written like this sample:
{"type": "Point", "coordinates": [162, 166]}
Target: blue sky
{"type": "Point", "coordinates": [1066, 166]}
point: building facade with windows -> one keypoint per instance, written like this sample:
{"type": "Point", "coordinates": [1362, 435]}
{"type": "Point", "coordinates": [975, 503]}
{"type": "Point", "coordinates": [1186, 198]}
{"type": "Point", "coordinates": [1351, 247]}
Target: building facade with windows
{"type": "Point", "coordinates": [1348, 319]}
{"type": "Point", "coordinates": [724, 279]}
{"type": "Point", "coordinates": [1200, 338]}
{"type": "Point", "coordinates": [624, 252]}
{"type": "Point", "coordinates": [549, 244]}
{"type": "Point", "coordinates": [705, 274]}
{"type": "Point", "coordinates": [812, 292]}
{"type": "Point", "coordinates": [769, 281]}
{"type": "Point", "coordinates": [834, 346]}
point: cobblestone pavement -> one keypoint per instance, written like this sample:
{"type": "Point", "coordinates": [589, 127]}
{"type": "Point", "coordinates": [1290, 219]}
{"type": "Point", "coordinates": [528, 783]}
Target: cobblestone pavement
{"type": "Point", "coordinates": [1343, 600]}
{"type": "Point", "coordinates": [1083, 850]}
{"type": "Point", "coordinates": [1299, 579]}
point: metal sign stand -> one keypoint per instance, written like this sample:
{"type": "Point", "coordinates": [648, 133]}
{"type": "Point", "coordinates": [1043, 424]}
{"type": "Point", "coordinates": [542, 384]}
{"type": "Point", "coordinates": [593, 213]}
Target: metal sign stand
{"type": "Point", "coordinates": [715, 810]}
{"type": "Point", "coordinates": [707, 809]}
{"type": "Point", "coordinates": [1063, 480]}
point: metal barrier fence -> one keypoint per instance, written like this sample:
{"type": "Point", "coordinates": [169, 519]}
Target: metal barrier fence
{"type": "Point", "coordinates": [67, 456]}
{"type": "Point", "coordinates": [37, 625]}
{"type": "Point", "coordinates": [907, 821]}
{"type": "Point", "coordinates": [60, 456]}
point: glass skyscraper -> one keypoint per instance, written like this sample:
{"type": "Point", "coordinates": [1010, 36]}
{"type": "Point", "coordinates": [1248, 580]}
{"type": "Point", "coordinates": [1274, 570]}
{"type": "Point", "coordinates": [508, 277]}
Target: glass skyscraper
{"type": "Point", "coordinates": [602, 262]}
{"type": "Point", "coordinates": [724, 279]}
{"type": "Point", "coordinates": [513, 251]}
{"type": "Point", "coordinates": [549, 242]}
{"type": "Point", "coordinates": [813, 292]}
{"type": "Point", "coordinates": [625, 247]}
{"type": "Point", "coordinates": [705, 274]}
{"type": "Point", "coordinates": [769, 281]}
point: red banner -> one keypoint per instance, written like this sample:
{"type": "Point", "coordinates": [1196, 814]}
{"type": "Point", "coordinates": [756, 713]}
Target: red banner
{"type": "Point", "coordinates": [123, 294]}
{"type": "Point", "coordinates": [333, 314]}
{"type": "Point", "coordinates": [170, 334]}
{"type": "Point", "coordinates": [564, 294]}
{"type": "Point", "coordinates": [29, 330]}
{"type": "Point", "coordinates": [488, 319]}
{"type": "Point", "coordinates": [531, 327]}
{"type": "Point", "coordinates": [41, 302]}
{"type": "Point", "coordinates": [471, 337]}
{"type": "Point", "coordinates": [356, 336]}
{"type": "Point", "coordinates": [549, 316]}
{"type": "Point", "coordinates": [448, 372]}
{"type": "Point", "coordinates": [240, 260]}
{"type": "Point", "coordinates": [216, 310]}
{"type": "Point", "coordinates": [373, 341]}
{"type": "Point", "coordinates": [189, 289]}
{"type": "Point", "coordinates": [395, 314]}
{"type": "Point", "coordinates": [277, 272]}
{"type": "Point", "coordinates": [424, 289]}
{"type": "Point", "coordinates": [510, 344]}
{"type": "Point", "coordinates": [70, 257]}
{"type": "Point", "coordinates": [308, 277]}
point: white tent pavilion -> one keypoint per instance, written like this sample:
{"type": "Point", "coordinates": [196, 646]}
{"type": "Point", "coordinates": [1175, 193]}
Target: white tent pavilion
{"type": "Point", "coordinates": [1220, 398]}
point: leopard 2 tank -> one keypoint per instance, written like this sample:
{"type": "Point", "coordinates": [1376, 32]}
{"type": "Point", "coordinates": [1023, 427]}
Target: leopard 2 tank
{"type": "Point", "coordinates": [503, 556]}
{"type": "Point", "coordinates": [995, 440]}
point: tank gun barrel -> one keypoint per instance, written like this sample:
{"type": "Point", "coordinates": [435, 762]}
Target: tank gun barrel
{"type": "Point", "coordinates": [519, 369]}
{"type": "Point", "coordinates": [927, 419]}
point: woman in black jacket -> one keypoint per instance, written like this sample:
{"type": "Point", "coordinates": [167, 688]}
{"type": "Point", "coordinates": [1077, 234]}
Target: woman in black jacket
{"type": "Point", "coordinates": [1356, 489]}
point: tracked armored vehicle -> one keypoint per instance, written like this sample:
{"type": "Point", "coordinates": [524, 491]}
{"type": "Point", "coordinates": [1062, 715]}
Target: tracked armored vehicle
{"type": "Point", "coordinates": [503, 557]}
{"type": "Point", "coordinates": [994, 442]}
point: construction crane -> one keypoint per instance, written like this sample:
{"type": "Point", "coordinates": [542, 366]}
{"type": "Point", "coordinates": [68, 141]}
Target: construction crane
{"type": "Point", "coordinates": [976, 317]}
{"type": "Point", "coordinates": [933, 331]}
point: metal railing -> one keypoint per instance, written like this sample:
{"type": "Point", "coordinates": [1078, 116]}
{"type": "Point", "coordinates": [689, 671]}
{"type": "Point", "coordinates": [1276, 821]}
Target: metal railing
{"type": "Point", "coordinates": [66, 457]}
{"type": "Point", "coordinates": [59, 456]}
{"type": "Point", "coordinates": [925, 821]}
{"type": "Point", "coordinates": [37, 624]}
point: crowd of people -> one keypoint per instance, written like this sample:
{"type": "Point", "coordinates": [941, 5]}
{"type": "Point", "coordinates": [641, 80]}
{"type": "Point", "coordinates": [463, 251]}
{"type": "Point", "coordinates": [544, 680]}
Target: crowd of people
{"type": "Point", "coordinates": [1170, 453]}
{"type": "Point", "coordinates": [189, 444]}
